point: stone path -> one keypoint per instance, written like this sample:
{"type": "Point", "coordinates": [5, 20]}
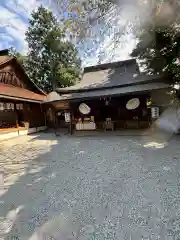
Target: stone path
{"type": "Point", "coordinates": [91, 188]}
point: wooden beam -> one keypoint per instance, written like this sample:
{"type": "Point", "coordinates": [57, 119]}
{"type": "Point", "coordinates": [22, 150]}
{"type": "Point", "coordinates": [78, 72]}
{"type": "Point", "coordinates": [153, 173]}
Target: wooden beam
{"type": "Point", "coordinates": [15, 110]}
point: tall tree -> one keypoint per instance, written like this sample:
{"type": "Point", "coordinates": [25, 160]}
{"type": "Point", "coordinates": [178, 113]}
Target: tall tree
{"type": "Point", "coordinates": [87, 13]}
{"type": "Point", "coordinates": [84, 15]}
{"type": "Point", "coordinates": [101, 19]}
{"type": "Point", "coordinates": [118, 16]}
{"type": "Point", "coordinates": [155, 23]}
{"type": "Point", "coordinates": [52, 60]}
{"type": "Point", "coordinates": [158, 45]}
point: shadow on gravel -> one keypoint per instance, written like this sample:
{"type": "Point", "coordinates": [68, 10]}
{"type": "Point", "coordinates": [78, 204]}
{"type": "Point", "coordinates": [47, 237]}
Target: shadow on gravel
{"type": "Point", "coordinates": [40, 203]}
{"type": "Point", "coordinates": [28, 209]}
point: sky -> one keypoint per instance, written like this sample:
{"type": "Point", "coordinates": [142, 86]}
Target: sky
{"type": "Point", "coordinates": [14, 15]}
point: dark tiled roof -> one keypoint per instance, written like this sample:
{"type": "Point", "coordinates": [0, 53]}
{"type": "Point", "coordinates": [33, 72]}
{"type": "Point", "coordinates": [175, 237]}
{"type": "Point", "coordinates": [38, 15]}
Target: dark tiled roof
{"type": "Point", "coordinates": [20, 93]}
{"type": "Point", "coordinates": [109, 65]}
{"type": "Point", "coordinates": [114, 91]}
{"type": "Point", "coordinates": [111, 75]}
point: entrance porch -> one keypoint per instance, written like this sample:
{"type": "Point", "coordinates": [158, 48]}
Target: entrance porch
{"type": "Point", "coordinates": [18, 118]}
{"type": "Point", "coordinates": [111, 114]}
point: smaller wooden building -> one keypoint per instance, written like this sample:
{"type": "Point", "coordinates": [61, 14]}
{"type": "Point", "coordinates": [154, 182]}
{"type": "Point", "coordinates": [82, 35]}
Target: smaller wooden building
{"type": "Point", "coordinates": [112, 96]}
{"type": "Point", "coordinates": [21, 101]}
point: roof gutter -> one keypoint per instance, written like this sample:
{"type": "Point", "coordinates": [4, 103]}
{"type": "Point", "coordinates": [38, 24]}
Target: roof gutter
{"type": "Point", "coordinates": [20, 99]}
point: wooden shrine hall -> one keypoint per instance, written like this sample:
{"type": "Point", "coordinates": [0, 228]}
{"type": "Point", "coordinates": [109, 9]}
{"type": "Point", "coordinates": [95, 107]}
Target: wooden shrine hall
{"type": "Point", "coordinates": [111, 96]}
{"type": "Point", "coordinates": [21, 101]}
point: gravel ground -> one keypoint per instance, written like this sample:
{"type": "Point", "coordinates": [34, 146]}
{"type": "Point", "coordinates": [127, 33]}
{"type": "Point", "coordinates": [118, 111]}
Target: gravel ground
{"type": "Point", "coordinates": [90, 188]}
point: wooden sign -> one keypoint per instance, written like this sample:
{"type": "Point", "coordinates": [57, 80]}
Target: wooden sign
{"type": "Point", "coordinates": [67, 117]}
{"type": "Point", "coordinates": [62, 105]}
{"type": "Point", "coordinates": [155, 112]}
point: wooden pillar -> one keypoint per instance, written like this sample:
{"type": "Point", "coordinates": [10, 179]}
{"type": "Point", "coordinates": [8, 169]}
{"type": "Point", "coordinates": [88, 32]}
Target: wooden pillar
{"type": "Point", "coordinates": [44, 116]}
{"type": "Point", "coordinates": [17, 125]}
{"type": "Point", "coordinates": [15, 110]}
{"type": "Point", "coordinates": [45, 121]}
{"type": "Point", "coordinates": [54, 118]}
{"type": "Point", "coordinates": [71, 123]}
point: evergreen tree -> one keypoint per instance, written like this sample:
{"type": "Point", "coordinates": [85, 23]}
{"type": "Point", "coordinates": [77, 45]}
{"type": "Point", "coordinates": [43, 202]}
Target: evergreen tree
{"type": "Point", "coordinates": [52, 61]}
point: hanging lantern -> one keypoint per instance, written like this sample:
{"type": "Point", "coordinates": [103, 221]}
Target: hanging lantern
{"type": "Point", "coordinates": [8, 106]}
{"type": "Point", "coordinates": [107, 102]}
{"type": "Point", "coordinates": [17, 106]}
{"type": "Point", "coordinates": [1, 106]}
{"type": "Point", "coordinates": [12, 106]}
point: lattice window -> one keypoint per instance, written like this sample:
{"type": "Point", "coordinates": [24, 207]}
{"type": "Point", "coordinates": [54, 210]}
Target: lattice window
{"type": "Point", "coordinates": [9, 78]}
{"type": "Point", "coordinates": [3, 77]}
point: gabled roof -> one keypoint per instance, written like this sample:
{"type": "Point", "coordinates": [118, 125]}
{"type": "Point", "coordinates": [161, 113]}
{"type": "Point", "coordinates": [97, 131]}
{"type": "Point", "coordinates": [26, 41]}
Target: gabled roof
{"type": "Point", "coordinates": [119, 78]}
{"type": "Point", "coordinates": [5, 59]}
{"type": "Point", "coordinates": [109, 65]}
{"type": "Point", "coordinates": [33, 93]}
{"type": "Point", "coordinates": [9, 91]}
{"type": "Point", "coordinates": [111, 75]}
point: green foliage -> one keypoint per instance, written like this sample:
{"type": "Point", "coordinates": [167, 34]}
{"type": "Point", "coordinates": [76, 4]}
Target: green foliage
{"type": "Point", "coordinates": [21, 58]}
{"type": "Point", "coordinates": [159, 50]}
{"type": "Point", "coordinates": [99, 20]}
{"type": "Point", "coordinates": [158, 45]}
{"type": "Point", "coordinates": [84, 17]}
{"type": "Point", "coordinates": [50, 55]}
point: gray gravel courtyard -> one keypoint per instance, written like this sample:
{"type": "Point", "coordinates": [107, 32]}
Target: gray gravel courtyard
{"type": "Point", "coordinates": [90, 188]}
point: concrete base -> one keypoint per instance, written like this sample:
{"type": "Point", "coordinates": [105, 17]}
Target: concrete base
{"type": "Point", "coordinates": [20, 132]}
